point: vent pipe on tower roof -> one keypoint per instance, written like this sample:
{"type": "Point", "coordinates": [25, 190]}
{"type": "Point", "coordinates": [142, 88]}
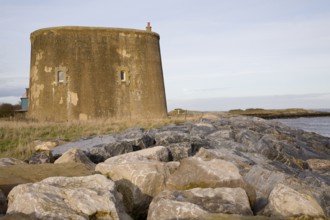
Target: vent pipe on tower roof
{"type": "Point", "coordinates": [148, 28]}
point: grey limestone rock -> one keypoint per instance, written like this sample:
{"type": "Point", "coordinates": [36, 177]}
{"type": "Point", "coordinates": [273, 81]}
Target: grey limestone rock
{"type": "Point", "coordinates": [243, 161]}
{"type": "Point", "coordinates": [139, 176]}
{"type": "Point", "coordinates": [247, 152]}
{"type": "Point", "coordinates": [197, 202]}
{"type": "Point", "coordinates": [158, 153]}
{"type": "Point", "coordinates": [41, 157]}
{"type": "Point", "coordinates": [319, 165]}
{"type": "Point", "coordinates": [85, 144]}
{"type": "Point", "coordinates": [166, 209]}
{"type": "Point", "coordinates": [226, 133]}
{"type": "Point", "coordinates": [180, 151]}
{"type": "Point", "coordinates": [102, 147]}
{"type": "Point", "coordinates": [75, 156]}
{"type": "Point", "coordinates": [172, 128]}
{"type": "Point", "coordinates": [195, 172]}
{"type": "Point", "coordinates": [68, 198]}
{"type": "Point", "coordinates": [202, 128]}
{"type": "Point", "coordinates": [138, 138]}
{"type": "Point", "coordinates": [263, 181]}
{"type": "Point", "coordinates": [286, 202]}
{"type": "Point", "coordinates": [169, 137]}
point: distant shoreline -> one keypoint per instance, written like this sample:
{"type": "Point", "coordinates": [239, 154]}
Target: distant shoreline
{"type": "Point", "coordinates": [282, 113]}
{"type": "Point", "coordinates": [256, 112]}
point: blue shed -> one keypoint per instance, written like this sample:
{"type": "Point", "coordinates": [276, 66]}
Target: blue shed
{"type": "Point", "coordinates": [24, 104]}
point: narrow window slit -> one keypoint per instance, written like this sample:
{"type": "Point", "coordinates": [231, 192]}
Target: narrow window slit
{"type": "Point", "coordinates": [60, 76]}
{"type": "Point", "coordinates": [122, 76]}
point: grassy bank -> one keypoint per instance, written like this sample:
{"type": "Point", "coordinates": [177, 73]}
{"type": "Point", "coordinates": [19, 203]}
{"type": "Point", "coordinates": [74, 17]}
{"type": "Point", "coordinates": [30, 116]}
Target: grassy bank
{"type": "Point", "coordinates": [18, 138]}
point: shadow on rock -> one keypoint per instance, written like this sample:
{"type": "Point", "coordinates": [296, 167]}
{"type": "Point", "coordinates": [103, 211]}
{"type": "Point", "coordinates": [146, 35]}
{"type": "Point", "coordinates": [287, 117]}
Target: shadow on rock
{"type": "Point", "coordinates": [138, 210]}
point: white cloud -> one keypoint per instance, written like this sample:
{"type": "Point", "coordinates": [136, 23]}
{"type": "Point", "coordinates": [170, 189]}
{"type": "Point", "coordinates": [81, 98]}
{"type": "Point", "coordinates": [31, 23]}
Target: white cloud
{"type": "Point", "coordinates": [10, 99]}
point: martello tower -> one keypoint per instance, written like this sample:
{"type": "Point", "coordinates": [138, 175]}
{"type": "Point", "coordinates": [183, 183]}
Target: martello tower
{"type": "Point", "coordinates": [88, 72]}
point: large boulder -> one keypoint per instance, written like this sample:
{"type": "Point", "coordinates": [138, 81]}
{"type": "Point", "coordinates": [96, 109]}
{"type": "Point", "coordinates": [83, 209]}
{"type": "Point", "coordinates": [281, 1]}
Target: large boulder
{"type": "Point", "coordinates": [170, 137]}
{"type": "Point", "coordinates": [110, 150]}
{"type": "Point", "coordinates": [321, 193]}
{"type": "Point", "coordinates": [41, 157]}
{"type": "Point", "coordinates": [158, 153]}
{"type": "Point", "coordinates": [286, 202]}
{"type": "Point", "coordinates": [165, 209]}
{"type": "Point", "coordinates": [281, 151]}
{"type": "Point", "coordinates": [319, 165]}
{"type": "Point", "coordinates": [75, 156]}
{"type": "Point", "coordinates": [102, 147]}
{"type": "Point", "coordinates": [68, 198]}
{"type": "Point", "coordinates": [184, 128]}
{"type": "Point", "coordinates": [202, 128]}
{"type": "Point", "coordinates": [263, 180]}
{"type": "Point", "coordinates": [180, 151]}
{"type": "Point", "coordinates": [217, 200]}
{"type": "Point", "coordinates": [264, 177]}
{"type": "Point", "coordinates": [217, 137]}
{"type": "Point", "coordinates": [214, 173]}
{"type": "Point", "coordinates": [10, 161]}
{"type": "Point", "coordinates": [241, 160]}
{"type": "Point", "coordinates": [137, 138]}
{"type": "Point", "coordinates": [133, 139]}
{"type": "Point", "coordinates": [139, 176]}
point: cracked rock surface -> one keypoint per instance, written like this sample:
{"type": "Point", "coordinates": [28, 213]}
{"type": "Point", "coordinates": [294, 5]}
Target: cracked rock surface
{"type": "Point", "coordinates": [226, 168]}
{"type": "Point", "coordinates": [67, 198]}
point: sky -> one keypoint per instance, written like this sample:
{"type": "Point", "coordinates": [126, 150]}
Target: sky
{"type": "Point", "coordinates": [216, 54]}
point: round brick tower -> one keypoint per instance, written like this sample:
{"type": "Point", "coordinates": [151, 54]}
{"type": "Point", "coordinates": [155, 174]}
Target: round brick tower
{"type": "Point", "coordinates": [88, 72]}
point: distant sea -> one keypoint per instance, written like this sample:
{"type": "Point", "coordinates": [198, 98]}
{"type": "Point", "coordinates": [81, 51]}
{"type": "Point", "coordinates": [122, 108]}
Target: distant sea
{"type": "Point", "coordinates": [320, 125]}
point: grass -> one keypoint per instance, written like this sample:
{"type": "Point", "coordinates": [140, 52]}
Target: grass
{"type": "Point", "coordinates": [17, 138]}
{"type": "Point", "coordinates": [11, 176]}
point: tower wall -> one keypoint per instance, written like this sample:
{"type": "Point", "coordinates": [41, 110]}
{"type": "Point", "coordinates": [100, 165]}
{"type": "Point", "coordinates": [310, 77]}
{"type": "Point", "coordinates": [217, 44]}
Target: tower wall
{"type": "Point", "coordinates": [86, 73]}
